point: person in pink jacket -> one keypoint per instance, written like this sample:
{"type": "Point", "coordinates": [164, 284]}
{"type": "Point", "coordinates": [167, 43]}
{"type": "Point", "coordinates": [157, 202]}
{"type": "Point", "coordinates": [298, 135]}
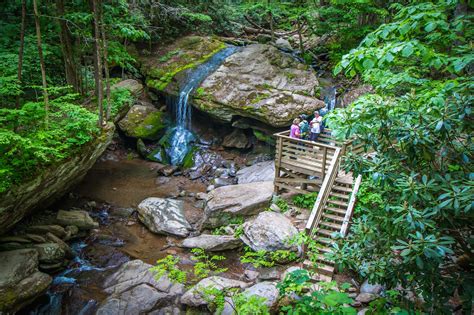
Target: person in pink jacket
{"type": "Point", "coordinates": [295, 131]}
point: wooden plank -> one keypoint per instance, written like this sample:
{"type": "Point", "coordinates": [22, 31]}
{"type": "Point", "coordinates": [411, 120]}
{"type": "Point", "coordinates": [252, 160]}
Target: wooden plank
{"type": "Point", "coordinates": [278, 162]}
{"type": "Point", "coordinates": [298, 180]}
{"type": "Point", "coordinates": [350, 207]}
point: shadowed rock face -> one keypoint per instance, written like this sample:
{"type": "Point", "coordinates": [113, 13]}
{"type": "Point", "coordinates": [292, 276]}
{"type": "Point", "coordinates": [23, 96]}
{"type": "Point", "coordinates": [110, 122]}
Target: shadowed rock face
{"type": "Point", "coordinates": [51, 184]}
{"type": "Point", "coordinates": [262, 83]}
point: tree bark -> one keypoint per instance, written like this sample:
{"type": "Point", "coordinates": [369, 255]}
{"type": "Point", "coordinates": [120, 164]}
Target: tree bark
{"type": "Point", "coordinates": [97, 60]}
{"type": "Point", "coordinates": [43, 69]}
{"type": "Point", "coordinates": [22, 46]}
{"type": "Point", "coordinates": [67, 49]}
{"type": "Point", "coordinates": [106, 68]}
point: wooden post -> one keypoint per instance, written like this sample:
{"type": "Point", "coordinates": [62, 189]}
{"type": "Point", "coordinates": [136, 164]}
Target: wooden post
{"type": "Point", "coordinates": [279, 147]}
{"type": "Point", "coordinates": [325, 152]}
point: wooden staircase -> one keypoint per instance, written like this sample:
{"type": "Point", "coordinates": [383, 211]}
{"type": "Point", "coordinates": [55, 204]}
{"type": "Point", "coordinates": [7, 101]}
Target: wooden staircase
{"type": "Point", "coordinates": [295, 161]}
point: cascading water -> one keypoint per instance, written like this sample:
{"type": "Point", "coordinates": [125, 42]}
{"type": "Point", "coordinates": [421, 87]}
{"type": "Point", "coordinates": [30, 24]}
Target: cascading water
{"type": "Point", "coordinates": [181, 135]}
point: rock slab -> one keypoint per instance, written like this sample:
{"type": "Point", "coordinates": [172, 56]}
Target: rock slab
{"type": "Point", "coordinates": [227, 202]}
{"type": "Point", "coordinates": [164, 216]}
{"type": "Point", "coordinates": [79, 218]}
{"type": "Point", "coordinates": [212, 243]}
{"type": "Point", "coordinates": [259, 172]}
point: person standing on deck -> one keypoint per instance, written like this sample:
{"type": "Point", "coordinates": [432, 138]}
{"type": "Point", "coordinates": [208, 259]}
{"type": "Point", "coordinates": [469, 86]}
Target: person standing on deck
{"type": "Point", "coordinates": [316, 126]}
{"type": "Point", "coordinates": [295, 131]}
{"type": "Point", "coordinates": [304, 127]}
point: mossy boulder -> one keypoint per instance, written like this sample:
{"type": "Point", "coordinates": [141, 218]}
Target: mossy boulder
{"type": "Point", "coordinates": [143, 122]}
{"type": "Point", "coordinates": [262, 83]}
{"type": "Point", "coordinates": [162, 65]}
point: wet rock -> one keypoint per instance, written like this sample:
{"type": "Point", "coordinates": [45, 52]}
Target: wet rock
{"type": "Point", "coordinates": [262, 83]}
{"type": "Point", "coordinates": [227, 202]}
{"type": "Point", "coordinates": [221, 182]}
{"type": "Point", "coordinates": [366, 287]}
{"type": "Point", "coordinates": [122, 212]}
{"type": "Point", "coordinates": [237, 139]}
{"type": "Point", "coordinates": [161, 180]}
{"type": "Point", "coordinates": [57, 230]}
{"type": "Point", "coordinates": [50, 252]}
{"type": "Point", "coordinates": [20, 280]}
{"type": "Point", "coordinates": [164, 216]}
{"type": "Point", "coordinates": [142, 149]}
{"type": "Point", "coordinates": [195, 297]}
{"type": "Point", "coordinates": [36, 238]}
{"type": "Point", "coordinates": [259, 172]}
{"type": "Point", "coordinates": [144, 122]}
{"type": "Point", "coordinates": [168, 170]}
{"type": "Point", "coordinates": [266, 290]}
{"type": "Point", "coordinates": [79, 218]}
{"type": "Point", "coordinates": [15, 239]}
{"type": "Point", "coordinates": [283, 44]}
{"type": "Point", "coordinates": [269, 231]}
{"type": "Point", "coordinates": [71, 231]}
{"type": "Point", "coordinates": [65, 247]}
{"type": "Point", "coordinates": [271, 273]}
{"type": "Point", "coordinates": [212, 243]}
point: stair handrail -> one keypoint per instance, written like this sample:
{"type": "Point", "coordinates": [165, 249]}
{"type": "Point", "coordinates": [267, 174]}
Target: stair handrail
{"type": "Point", "coordinates": [323, 194]}
{"type": "Point", "coordinates": [351, 206]}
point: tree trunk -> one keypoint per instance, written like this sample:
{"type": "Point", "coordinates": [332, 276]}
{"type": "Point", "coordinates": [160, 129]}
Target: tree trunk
{"type": "Point", "coordinates": [22, 46]}
{"type": "Point", "coordinates": [97, 60]}
{"type": "Point", "coordinates": [43, 69]}
{"type": "Point", "coordinates": [106, 68]}
{"type": "Point", "coordinates": [300, 36]}
{"type": "Point", "coordinates": [66, 47]}
{"type": "Point", "coordinates": [270, 18]}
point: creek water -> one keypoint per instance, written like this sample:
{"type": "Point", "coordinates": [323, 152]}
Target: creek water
{"type": "Point", "coordinates": [182, 135]}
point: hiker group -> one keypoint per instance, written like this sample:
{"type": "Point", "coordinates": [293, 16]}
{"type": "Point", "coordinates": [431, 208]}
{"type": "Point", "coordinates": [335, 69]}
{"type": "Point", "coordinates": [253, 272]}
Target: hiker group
{"type": "Point", "coordinates": [302, 129]}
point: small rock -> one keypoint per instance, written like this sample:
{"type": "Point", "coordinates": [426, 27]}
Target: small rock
{"type": "Point", "coordinates": [283, 44]}
{"type": "Point", "coordinates": [371, 288]}
{"type": "Point", "coordinates": [201, 196]}
{"type": "Point", "coordinates": [210, 188]}
{"type": "Point", "coordinates": [237, 139]}
{"type": "Point", "coordinates": [36, 238]}
{"type": "Point", "coordinates": [65, 247]}
{"type": "Point", "coordinates": [161, 180]}
{"type": "Point", "coordinates": [363, 311]}
{"type": "Point", "coordinates": [122, 212]}
{"type": "Point", "coordinates": [168, 170]}
{"type": "Point", "coordinates": [49, 252]}
{"type": "Point", "coordinates": [212, 243]}
{"type": "Point", "coordinates": [221, 182]}
{"type": "Point", "coordinates": [200, 204]}
{"type": "Point", "coordinates": [79, 218]}
{"type": "Point", "coordinates": [72, 231]}
{"type": "Point", "coordinates": [182, 193]}
{"type": "Point", "coordinates": [266, 290]}
{"type": "Point", "coordinates": [366, 297]}
{"type": "Point", "coordinates": [259, 172]}
{"type": "Point", "coordinates": [251, 275]}
{"type": "Point", "coordinates": [271, 273]}
{"type": "Point", "coordinates": [275, 208]}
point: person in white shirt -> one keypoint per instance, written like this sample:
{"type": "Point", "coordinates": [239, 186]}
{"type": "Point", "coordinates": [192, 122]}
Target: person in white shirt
{"type": "Point", "coordinates": [315, 126]}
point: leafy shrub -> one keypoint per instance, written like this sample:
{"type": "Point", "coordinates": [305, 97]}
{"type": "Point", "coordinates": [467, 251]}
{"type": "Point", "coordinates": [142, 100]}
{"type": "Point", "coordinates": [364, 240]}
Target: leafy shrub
{"type": "Point", "coordinates": [206, 265]}
{"type": "Point", "coordinates": [282, 204]}
{"type": "Point", "coordinates": [168, 266]}
{"type": "Point", "coordinates": [264, 258]}
{"type": "Point", "coordinates": [305, 201]}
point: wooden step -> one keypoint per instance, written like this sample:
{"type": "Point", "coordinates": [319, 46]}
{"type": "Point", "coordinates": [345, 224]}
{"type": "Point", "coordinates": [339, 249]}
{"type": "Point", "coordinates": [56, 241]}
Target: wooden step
{"type": "Point", "coordinates": [342, 188]}
{"type": "Point", "coordinates": [320, 267]}
{"type": "Point", "coordinates": [324, 240]}
{"type": "Point", "coordinates": [333, 217]}
{"type": "Point", "coordinates": [321, 278]}
{"type": "Point", "coordinates": [342, 196]}
{"type": "Point", "coordinates": [337, 210]}
{"type": "Point", "coordinates": [332, 225]}
{"type": "Point", "coordinates": [337, 202]}
{"type": "Point", "coordinates": [325, 232]}
{"type": "Point", "coordinates": [324, 249]}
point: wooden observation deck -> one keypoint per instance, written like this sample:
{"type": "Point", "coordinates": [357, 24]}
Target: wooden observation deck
{"type": "Point", "coordinates": [303, 166]}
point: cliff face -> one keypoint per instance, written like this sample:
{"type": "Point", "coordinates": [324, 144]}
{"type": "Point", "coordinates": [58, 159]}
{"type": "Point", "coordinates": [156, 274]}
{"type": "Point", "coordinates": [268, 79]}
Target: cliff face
{"type": "Point", "coordinates": [54, 182]}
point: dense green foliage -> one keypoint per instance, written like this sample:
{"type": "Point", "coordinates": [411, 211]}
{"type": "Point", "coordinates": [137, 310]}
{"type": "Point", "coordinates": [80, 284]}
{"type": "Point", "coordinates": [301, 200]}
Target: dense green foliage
{"type": "Point", "coordinates": [416, 210]}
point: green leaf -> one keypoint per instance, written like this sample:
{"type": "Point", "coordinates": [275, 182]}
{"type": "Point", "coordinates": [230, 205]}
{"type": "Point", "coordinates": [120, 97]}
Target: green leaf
{"type": "Point", "coordinates": [407, 51]}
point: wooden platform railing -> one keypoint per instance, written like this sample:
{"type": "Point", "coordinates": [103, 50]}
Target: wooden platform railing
{"type": "Point", "coordinates": [324, 192]}
{"type": "Point", "coordinates": [351, 205]}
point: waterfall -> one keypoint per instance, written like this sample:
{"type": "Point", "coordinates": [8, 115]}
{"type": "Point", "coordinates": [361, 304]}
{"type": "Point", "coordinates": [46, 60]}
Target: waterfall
{"type": "Point", "coordinates": [181, 134]}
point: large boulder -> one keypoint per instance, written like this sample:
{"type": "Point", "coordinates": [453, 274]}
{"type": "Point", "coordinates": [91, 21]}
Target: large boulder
{"type": "Point", "coordinates": [144, 122]}
{"type": "Point", "coordinates": [51, 183]}
{"type": "Point", "coordinates": [259, 82]}
{"type": "Point", "coordinates": [132, 85]}
{"type": "Point", "coordinates": [212, 243]}
{"type": "Point", "coordinates": [269, 231]}
{"type": "Point", "coordinates": [20, 280]}
{"type": "Point", "coordinates": [236, 139]}
{"type": "Point", "coordinates": [259, 172]}
{"type": "Point", "coordinates": [196, 295]}
{"type": "Point", "coordinates": [266, 290]}
{"type": "Point", "coordinates": [134, 289]}
{"type": "Point", "coordinates": [164, 216]}
{"type": "Point", "coordinates": [225, 203]}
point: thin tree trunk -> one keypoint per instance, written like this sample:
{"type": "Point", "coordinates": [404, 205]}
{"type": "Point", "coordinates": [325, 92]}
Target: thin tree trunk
{"type": "Point", "coordinates": [22, 46]}
{"type": "Point", "coordinates": [300, 36]}
{"type": "Point", "coordinates": [270, 17]}
{"type": "Point", "coordinates": [97, 61]}
{"type": "Point", "coordinates": [66, 47]}
{"type": "Point", "coordinates": [43, 69]}
{"type": "Point", "coordinates": [106, 68]}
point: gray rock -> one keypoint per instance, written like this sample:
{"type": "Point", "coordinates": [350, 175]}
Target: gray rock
{"type": "Point", "coordinates": [168, 170]}
{"type": "Point", "coordinates": [201, 196]}
{"type": "Point", "coordinates": [229, 306]}
{"type": "Point", "coordinates": [365, 297]}
{"type": "Point", "coordinates": [65, 247]}
{"type": "Point", "coordinates": [161, 180]}
{"type": "Point", "coordinates": [227, 202]}
{"type": "Point", "coordinates": [20, 280]}
{"type": "Point", "coordinates": [167, 310]}
{"type": "Point", "coordinates": [259, 172]}
{"type": "Point", "coordinates": [366, 287]}
{"type": "Point", "coordinates": [283, 44]}
{"type": "Point", "coordinates": [194, 296]}
{"type": "Point", "coordinates": [237, 139]}
{"type": "Point", "coordinates": [50, 184]}
{"type": "Point", "coordinates": [132, 85]}
{"type": "Point", "coordinates": [122, 212]}
{"type": "Point", "coordinates": [290, 270]}
{"type": "Point", "coordinates": [212, 243]}
{"type": "Point", "coordinates": [251, 275]}
{"type": "Point", "coordinates": [269, 231]}
{"type": "Point", "coordinates": [50, 252]}
{"type": "Point", "coordinates": [266, 290]}
{"type": "Point", "coordinates": [79, 218]}
{"type": "Point", "coordinates": [57, 230]}
{"type": "Point", "coordinates": [270, 273]}
{"type": "Point", "coordinates": [262, 83]}
{"type": "Point", "coordinates": [164, 216]}
{"type": "Point", "coordinates": [221, 182]}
